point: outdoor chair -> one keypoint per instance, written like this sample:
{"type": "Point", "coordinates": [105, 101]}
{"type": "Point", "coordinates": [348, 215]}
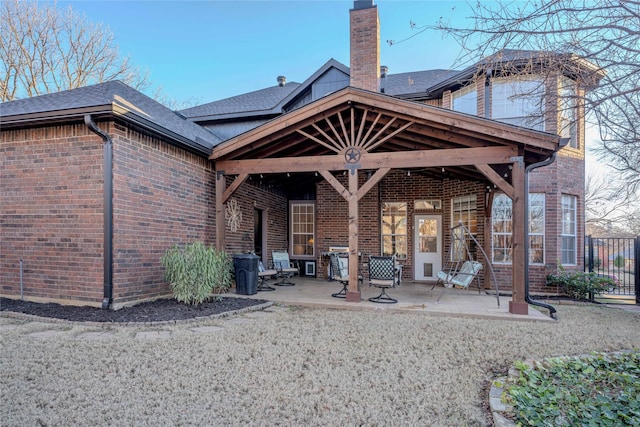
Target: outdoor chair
{"type": "Point", "coordinates": [461, 278]}
{"type": "Point", "coordinates": [340, 274]}
{"type": "Point", "coordinates": [383, 274]}
{"type": "Point", "coordinates": [263, 276]}
{"type": "Point", "coordinates": [284, 268]}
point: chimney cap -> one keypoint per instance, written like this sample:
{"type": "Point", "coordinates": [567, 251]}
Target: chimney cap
{"type": "Point", "coordinates": [282, 80]}
{"type": "Point", "coordinates": [383, 71]}
{"type": "Point", "coordinates": [362, 4]}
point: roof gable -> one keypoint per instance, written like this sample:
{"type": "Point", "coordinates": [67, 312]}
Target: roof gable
{"type": "Point", "coordinates": [377, 123]}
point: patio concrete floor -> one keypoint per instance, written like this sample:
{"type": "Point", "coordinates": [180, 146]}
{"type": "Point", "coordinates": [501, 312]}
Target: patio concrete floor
{"type": "Point", "coordinates": [412, 297]}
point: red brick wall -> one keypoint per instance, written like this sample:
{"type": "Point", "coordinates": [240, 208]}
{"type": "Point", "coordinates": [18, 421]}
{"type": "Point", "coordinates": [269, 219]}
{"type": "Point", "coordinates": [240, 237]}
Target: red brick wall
{"type": "Point", "coordinates": [396, 186]}
{"type": "Point", "coordinates": [162, 195]}
{"type": "Point", "coordinates": [51, 214]}
{"type": "Point", "coordinates": [365, 49]}
{"type": "Point", "coordinates": [250, 196]}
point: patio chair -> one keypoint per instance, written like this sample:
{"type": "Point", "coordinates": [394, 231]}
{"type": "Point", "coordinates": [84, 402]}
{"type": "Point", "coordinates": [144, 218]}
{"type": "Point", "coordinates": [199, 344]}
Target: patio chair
{"type": "Point", "coordinates": [383, 274]}
{"type": "Point", "coordinates": [340, 274]}
{"type": "Point", "coordinates": [263, 276]}
{"type": "Point", "coordinates": [284, 268]}
{"type": "Point", "coordinates": [461, 278]}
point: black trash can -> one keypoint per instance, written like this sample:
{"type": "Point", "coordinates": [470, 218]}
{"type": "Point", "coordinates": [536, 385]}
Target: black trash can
{"type": "Point", "coordinates": [246, 272]}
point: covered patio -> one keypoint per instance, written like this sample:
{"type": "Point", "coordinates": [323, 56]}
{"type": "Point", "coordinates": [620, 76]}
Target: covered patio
{"type": "Point", "coordinates": [352, 134]}
{"type": "Point", "coordinates": [412, 297]}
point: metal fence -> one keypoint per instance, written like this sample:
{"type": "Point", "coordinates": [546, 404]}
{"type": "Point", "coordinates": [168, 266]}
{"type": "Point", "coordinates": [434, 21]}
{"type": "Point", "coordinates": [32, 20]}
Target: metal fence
{"type": "Point", "coordinates": [617, 258]}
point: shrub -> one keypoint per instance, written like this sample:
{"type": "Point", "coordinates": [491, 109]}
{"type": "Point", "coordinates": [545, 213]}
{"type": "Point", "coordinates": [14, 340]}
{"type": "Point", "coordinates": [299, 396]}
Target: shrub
{"type": "Point", "coordinates": [580, 285]}
{"type": "Point", "coordinates": [596, 390]}
{"type": "Point", "coordinates": [195, 271]}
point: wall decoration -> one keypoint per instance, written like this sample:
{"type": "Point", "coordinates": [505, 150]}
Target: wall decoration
{"type": "Point", "coordinates": [233, 215]}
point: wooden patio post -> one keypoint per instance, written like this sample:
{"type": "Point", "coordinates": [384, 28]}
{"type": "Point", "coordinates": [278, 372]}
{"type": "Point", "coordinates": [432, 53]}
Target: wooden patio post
{"type": "Point", "coordinates": [353, 293]}
{"type": "Point", "coordinates": [518, 304]}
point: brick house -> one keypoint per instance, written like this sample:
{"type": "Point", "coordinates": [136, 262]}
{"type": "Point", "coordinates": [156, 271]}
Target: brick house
{"type": "Point", "coordinates": [98, 182]}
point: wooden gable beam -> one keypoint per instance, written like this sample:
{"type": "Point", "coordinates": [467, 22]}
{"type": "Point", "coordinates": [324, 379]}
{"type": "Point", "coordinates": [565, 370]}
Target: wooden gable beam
{"type": "Point", "coordinates": [234, 186]}
{"type": "Point", "coordinates": [496, 179]}
{"type": "Point", "coordinates": [399, 159]}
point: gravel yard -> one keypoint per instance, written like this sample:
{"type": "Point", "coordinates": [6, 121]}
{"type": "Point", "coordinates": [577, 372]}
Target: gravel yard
{"type": "Point", "coordinates": [283, 366]}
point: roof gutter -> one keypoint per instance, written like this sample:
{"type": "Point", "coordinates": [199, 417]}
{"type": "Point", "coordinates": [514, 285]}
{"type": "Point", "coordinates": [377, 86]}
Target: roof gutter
{"type": "Point", "coordinates": [527, 298]}
{"type": "Point", "coordinates": [107, 209]}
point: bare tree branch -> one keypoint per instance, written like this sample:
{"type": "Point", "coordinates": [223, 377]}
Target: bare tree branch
{"type": "Point", "coordinates": [44, 49]}
{"type": "Point", "coordinates": [605, 33]}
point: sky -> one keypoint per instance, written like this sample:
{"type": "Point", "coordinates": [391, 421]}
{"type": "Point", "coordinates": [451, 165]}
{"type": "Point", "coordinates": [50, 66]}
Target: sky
{"type": "Point", "coordinates": [202, 51]}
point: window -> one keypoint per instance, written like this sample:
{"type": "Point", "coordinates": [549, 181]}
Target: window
{"type": "Point", "coordinates": [567, 118]}
{"type": "Point", "coordinates": [463, 210]}
{"type": "Point", "coordinates": [536, 228]}
{"type": "Point", "coordinates": [519, 102]}
{"type": "Point", "coordinates": [465, 100]}
{"type": "Point", "coordinates": [394, 229]}
{"type": "Point", "coordinates": [302, 229]}
{"type": "Point", "coordinates": [427, 205]}
{"type": "Point", "coordinates": [502, 229]}
{"type": "Point", "coordinates": [568, 251]}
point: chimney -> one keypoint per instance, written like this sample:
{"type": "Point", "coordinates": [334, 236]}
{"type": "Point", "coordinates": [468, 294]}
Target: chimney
{"type": "Point", "coordinates": [365, 45]}
{"type": "Point", "coordinates": [282, 80]}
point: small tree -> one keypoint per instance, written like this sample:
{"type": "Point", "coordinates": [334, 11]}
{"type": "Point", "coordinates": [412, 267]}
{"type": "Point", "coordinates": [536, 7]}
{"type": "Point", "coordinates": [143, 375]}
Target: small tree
{"type": "Point", "coordinates": [195, 272]}
{"type": "Point", "coordinates": [619, 261]}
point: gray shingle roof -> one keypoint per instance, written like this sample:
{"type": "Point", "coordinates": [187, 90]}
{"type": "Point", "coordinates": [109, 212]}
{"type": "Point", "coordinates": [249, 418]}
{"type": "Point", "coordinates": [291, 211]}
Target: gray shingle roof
{"type": "Point", "coordinates": [113, 95]}
{"type": "Point", "coordinates": [414, 82]}
{"type": "Point", "coordinates": [259, 100]}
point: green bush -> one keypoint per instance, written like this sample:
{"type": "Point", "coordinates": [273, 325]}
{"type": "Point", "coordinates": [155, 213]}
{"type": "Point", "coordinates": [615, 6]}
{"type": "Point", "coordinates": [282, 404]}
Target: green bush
{"type": "Point", "coordinates": [195, 271]}
{"type": "Point", "coordinates": [580, 285]}
{"type": "Point", "coordinates": [596, 390]}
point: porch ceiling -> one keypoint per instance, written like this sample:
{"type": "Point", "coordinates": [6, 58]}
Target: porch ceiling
{"type": "Point", "coordinates": [385, 131]}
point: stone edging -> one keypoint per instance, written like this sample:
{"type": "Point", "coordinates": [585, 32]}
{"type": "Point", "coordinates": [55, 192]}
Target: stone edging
{"type": "Point", "coordinates": [24, 316]}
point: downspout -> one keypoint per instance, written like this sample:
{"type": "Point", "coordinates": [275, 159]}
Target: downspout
{"type": "Point", "coordinates": [108, 210]}
{"type": "Point", "coordinates": [527, 298]}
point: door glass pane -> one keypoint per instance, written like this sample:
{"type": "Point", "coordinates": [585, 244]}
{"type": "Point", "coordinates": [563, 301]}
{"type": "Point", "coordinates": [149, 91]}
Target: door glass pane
{"type": "Point", "coordinates": [428, 235]}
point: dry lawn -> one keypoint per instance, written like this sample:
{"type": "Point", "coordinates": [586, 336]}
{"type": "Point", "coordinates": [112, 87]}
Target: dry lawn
{"type": "Point", "coordinates": [293, 367]}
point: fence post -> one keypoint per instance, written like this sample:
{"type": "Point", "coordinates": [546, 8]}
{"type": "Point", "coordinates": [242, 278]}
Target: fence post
{"type": "Point", "coordinates": [590, 260]}
{"type": "Point", "coordinates": [636, 270]}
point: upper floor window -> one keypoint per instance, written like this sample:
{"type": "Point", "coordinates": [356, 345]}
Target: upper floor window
{"type": "Point", "coordinates": [567, 116]}
{"type": "Point", "coordinates": [394, 229]}
{"type": "Point", "coordinates": [518, 101]}
{"type": "Point", "coordinates": [465, 100]}
{"type": "Point", "coordinates": [303, 223]}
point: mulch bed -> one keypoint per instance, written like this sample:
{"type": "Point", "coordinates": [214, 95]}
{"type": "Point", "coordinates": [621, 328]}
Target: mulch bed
{"type": "Point", "coordinates": [154, 311]}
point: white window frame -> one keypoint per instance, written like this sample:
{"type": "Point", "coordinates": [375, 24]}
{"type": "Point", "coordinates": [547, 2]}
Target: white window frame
{"type": "Point", "coordinates": [519, 101]}
{"type": "Point", "coordinates": [502, 240]}
{"type": "Point", "coordinates": [568, 234]}
{"type": "Point", "coordinates": [302, 232]}
{"type": "Point", "coordinates": [465, 100]}
{"type": "Point", "coordinates": [501, 229]}
{"type": "Point", "coordinates": [464, 209]}
{"type": "Point", "coordinates": [537, 227]}
{"type": "Point", "coordinates": [567, 117]}
{"type": "Point", "coordinates": [394, 232]}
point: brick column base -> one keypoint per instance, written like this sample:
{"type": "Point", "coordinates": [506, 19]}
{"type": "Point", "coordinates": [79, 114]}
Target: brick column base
{"type": "Point", "coordinates": [518, 307]}
{"type": "Point", "coordinates": [353, 296]}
